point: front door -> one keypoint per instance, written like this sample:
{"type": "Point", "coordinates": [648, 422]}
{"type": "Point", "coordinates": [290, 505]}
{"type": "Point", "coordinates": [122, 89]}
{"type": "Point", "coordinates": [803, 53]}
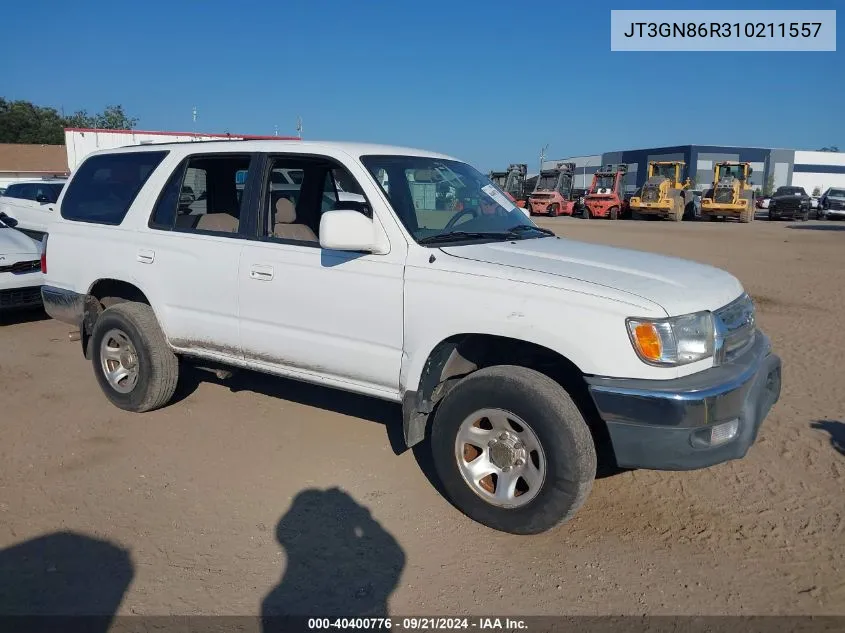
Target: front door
{"type": "Point", "coordinates": [313, 313]}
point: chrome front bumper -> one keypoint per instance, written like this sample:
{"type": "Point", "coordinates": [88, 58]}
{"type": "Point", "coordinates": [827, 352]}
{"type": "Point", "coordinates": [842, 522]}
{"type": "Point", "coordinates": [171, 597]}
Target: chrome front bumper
{"type": "Point", "coordinates": [667, 424]}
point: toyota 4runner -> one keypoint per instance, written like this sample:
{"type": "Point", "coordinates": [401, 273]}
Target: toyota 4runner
{"type": "Point", "coordinates": [508, 348]}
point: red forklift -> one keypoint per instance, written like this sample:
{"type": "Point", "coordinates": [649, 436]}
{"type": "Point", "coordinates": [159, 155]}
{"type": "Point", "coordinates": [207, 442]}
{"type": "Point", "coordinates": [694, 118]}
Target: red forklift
{"type": "Point", "coordinates": [512, 182]}
{"type": "Point", "coordinates": [552, 195]}
{"type": "Point", "coordinates": [606, 196]}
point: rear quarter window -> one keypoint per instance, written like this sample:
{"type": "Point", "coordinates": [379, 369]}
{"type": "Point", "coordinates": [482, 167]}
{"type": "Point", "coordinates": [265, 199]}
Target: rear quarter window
{"type": "Point", "coordinates": [105, 186]}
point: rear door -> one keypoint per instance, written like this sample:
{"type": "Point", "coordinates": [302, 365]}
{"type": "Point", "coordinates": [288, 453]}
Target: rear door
{"type": "Point", "coordinates": [191, 254]}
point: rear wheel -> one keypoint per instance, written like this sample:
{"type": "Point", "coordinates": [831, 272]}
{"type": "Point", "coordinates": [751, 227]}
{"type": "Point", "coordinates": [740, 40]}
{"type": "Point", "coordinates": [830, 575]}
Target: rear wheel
{"type": "Point", "coordinates": [512, 450]}
{"type": "Point", "coordinates": [613, 214]}
{"type": "Point", "coordinates": [554, 210]}
{"type": "Point", "coordinates": [587, 214]}
{"type": "Point", "coordinates": [132, 361]}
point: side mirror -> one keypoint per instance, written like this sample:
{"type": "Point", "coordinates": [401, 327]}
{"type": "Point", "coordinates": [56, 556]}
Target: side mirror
{"type": "Point", "coordinates": [8, 221]}
{"type": "Point", "coordinates": [348, 230]}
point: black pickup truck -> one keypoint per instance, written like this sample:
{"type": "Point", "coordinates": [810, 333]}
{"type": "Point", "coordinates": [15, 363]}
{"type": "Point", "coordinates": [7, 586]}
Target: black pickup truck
{"type": "Point", "coordinates": [789, 203]}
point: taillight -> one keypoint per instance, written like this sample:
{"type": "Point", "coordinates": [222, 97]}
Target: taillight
{"type": "Point", "coordinates": [44, 254]}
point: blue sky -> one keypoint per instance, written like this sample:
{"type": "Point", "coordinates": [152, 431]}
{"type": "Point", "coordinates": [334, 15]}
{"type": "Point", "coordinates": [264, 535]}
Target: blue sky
{"type": "Point", "coordinates": [490, 82]}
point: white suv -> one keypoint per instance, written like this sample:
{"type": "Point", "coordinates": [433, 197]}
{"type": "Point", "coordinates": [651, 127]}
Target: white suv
{"type": "Point", "coordinates": [508, 348]}
{"type": "Point", "coordinates": [32, 204]}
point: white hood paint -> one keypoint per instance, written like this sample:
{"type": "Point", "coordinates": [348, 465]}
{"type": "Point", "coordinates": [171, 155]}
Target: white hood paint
{"type": "Point", "coordinates": [678, 285]}
{"type": "Point", "coordinates": [14, 244]}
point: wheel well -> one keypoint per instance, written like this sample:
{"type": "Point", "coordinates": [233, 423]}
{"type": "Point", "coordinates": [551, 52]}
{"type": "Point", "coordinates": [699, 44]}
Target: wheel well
{"type": "Point", "coordinates": [460, 355]}
{"type": "Point", "coordinates": [105, 293]}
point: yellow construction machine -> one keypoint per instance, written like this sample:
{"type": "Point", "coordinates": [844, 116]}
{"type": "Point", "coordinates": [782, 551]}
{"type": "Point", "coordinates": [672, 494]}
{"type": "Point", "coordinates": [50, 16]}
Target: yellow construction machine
{"type": "Point", "coordinates": [664, 194]}
{"type": "Point", "coordinates": [731, 195]}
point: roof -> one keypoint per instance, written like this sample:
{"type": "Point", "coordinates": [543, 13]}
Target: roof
{"type": "Point", "coordinates": [275, 144]}
{"type": "Point", "coordinates": [34, 159]}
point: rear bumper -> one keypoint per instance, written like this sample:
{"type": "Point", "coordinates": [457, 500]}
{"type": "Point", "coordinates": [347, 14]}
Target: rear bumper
{"type": "Point", "coordinates": [666, 425]}
{"type": "Point", "coordinates": [63, 305]}
{"type": "Point", "coordinates": [20, 298]}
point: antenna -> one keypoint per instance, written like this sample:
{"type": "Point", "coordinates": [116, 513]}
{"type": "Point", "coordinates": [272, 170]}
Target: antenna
{"type": "Point", "coordinates": [299, 127]}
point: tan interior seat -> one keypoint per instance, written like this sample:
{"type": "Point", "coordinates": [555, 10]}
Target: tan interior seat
{"type": "Point", "coordinates": [286, 227]}
{"type": "Point", "coordinates": [222, 222]}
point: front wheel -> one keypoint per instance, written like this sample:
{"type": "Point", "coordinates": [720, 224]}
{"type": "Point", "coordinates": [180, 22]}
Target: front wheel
{"type": "Point", "coordinates": [512, 450]}
{"type": "Point", "coordinates": [613, 214]}
{"type": "Point", "coordinates": [133, 363]}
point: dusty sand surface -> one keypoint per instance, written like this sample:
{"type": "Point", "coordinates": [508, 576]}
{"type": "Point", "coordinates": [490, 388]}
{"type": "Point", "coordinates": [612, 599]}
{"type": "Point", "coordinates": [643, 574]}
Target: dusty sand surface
{"type": "Point", "coordinates": [221, 502]}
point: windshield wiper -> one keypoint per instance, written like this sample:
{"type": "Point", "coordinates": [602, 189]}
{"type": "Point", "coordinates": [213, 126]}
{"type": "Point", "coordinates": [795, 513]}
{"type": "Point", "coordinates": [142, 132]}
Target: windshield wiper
{"type": "Point", "coordinates": [528, 227]}
{"type": "Point", "coordinates": [456, 236]}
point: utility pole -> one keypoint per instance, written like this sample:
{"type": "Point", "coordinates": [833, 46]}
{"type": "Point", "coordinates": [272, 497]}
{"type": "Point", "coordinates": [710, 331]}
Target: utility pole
{"type": "Point", "coordinates": [194, 117]}
{"type": "Point", "coordinates": [542, 158]}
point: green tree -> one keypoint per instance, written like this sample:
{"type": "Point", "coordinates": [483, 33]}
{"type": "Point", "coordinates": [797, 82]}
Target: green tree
{"type": "Point", "coordinates": [25, 122]}
{"type": "Point", "coordinates": [770, 185]}
{"type": "Point", "coordinates": [112, 118]}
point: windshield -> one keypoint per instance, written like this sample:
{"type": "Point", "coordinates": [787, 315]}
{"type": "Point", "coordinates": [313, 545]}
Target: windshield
{"type": "Point", "coordinates": [547, 182]}
{"type": "Point", "coordinates": [836, 193]}
{"type": "Point", "coordinates": [730, 171]}
{"type": "Point", "coordinates": [604, 182]}
{"type": "Point", "coordinates": [665, 171]}
{"type": "Point", "coordinates": [435, 196]}
{"type": "Point", "coordinates": [788, 191]}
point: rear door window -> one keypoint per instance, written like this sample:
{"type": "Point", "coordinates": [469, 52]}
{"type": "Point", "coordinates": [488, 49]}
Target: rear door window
{"type": "Point", "coordinates": [105, 186]}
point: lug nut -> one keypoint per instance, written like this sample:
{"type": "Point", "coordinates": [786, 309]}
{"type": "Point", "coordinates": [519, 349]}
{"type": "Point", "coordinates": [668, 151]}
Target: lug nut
{"type": "Point", "coordinates": [505, 469]}
{"type": "Point", "coordinates": [491, 443]}
{"type": "Point", "coordinates": [503, 436]}
{"type": "Point", "coordinates": [518, 445]}
{"type": "Point", "coordinates": [520, 462]}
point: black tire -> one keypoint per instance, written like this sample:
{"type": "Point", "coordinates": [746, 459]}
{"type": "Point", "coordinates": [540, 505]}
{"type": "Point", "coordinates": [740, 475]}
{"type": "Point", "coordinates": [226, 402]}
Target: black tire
{"type": "Point", "coordinates": [558, 425]}
{"type": "Point", "coordinates": [158, 367]}
{"type": "Point", "coordinates": [613, 214]}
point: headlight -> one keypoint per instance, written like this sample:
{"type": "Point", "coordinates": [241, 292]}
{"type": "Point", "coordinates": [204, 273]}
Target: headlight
{"type": "Point", "coordinates": [675, 341]}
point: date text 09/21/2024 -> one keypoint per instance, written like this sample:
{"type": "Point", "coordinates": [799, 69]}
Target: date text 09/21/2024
{"type": "Point", "coordinates": [418, 623]}
{"type": "Point", "coordinates": [723, 29]}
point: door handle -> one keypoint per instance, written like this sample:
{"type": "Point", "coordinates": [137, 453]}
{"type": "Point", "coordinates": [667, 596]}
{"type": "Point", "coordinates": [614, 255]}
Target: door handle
{"type": "Point", "coordinates": [261, 272]}
{"type": "Point", "coordinates": [146, 256]}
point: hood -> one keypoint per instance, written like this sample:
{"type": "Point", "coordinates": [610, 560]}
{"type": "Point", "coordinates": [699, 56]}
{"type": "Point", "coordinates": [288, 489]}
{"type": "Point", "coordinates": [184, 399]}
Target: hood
{"type": "Point", "coordinates": [679, 286]}
{"type": "Point", "coordinates": [14, 242]}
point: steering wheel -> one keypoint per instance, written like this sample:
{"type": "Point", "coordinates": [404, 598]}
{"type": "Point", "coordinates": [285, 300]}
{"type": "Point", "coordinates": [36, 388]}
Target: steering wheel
{"type": "Point", "coordinates": [454, 219]}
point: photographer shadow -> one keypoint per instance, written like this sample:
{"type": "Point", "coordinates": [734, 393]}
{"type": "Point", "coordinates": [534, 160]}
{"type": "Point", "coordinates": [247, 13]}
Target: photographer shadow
{"type": "Point", "coordinates": [340, 562]}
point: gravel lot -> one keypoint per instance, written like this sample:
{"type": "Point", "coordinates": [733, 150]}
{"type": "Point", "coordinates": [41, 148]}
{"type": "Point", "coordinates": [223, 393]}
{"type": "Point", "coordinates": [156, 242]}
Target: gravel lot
{"type": "Point", "coordinates": [225, 501]}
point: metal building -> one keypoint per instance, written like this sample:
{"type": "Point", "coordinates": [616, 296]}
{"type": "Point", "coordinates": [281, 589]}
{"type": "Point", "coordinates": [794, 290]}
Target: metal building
{"type": "Point", "coordinates": [815, 171]}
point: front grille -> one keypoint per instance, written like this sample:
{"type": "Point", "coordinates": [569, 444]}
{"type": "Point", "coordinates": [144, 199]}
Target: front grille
{"type": "Point", "coordinates": [788, 204]}
{"type": "Point", "coordinates": [19, 268]}
{"type": "Point", "coordinates": [724, 195]}
{"type": "Point", "coordinates": [736, 328]}
{"type": "Point", "coordinates": [836, 204]}
{"type": "Point", "coordinates": [651, 193]}
{"type": "Point", "coordinates": [20, 297]}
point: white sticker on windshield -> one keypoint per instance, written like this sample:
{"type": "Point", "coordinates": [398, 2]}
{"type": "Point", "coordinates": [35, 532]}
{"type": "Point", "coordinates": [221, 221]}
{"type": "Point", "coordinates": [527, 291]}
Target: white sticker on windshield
{"type": "Point", "coordinates": [502, 200]}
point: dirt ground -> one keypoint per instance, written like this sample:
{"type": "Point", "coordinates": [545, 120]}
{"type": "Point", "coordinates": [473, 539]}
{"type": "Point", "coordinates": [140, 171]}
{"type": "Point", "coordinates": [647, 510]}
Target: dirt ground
{"type": "Point", "coordinates": [256, 494]}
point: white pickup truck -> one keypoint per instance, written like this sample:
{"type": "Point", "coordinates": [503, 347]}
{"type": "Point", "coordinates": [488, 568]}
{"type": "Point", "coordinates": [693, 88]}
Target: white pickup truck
{"type": "Point", "coordinates": [509, 348]}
